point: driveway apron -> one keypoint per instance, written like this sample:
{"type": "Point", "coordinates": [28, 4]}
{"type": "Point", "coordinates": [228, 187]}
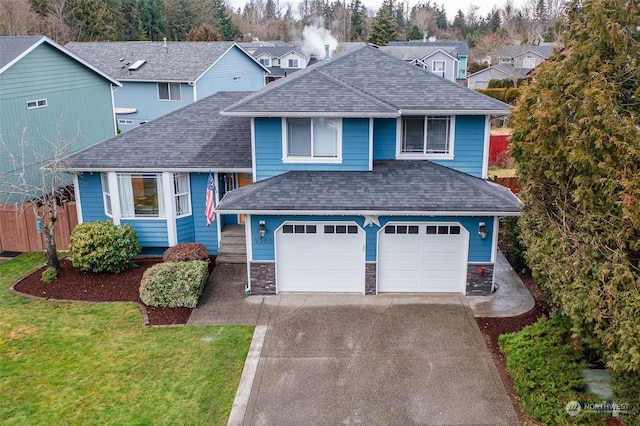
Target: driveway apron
{"type": "Point", "coordinates": [383, 360]}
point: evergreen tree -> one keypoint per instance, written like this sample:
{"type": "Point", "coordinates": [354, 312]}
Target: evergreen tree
{"type": "Point", "coordinates": [223, 23]}
{"type": "Point", "coordinates": [95, 20]}
{"type": "Point", "coordinates": [441, 19]}
{"type": "Point", "coordinates": [130, 21]}
{"type": "Point", "coordinates": [180, 18]}
{"type": "Point", "coordinates": [357, 21]}
{"type": "Point", "coordinates": [460, 23]}
{"type": "Point", "coordinates": [415, 33]}
{"type": "Point", "coordinates": [383, 29]}
{"type": "Point", "coordinates": [151, 15]}
{"type": "Point", "coordinates": [577, 147]}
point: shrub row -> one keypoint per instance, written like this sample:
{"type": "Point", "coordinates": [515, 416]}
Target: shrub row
{"type": "Point", "coordinates": [174, 284]}
{"type": "Point", "coordinates": [546, 368]}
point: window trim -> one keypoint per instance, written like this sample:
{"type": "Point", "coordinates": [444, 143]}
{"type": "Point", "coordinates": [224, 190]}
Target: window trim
{"type": "Point", "coordinates": [107, 200]}
{"type": "Point", "coordinates": [266, 63]}
{"type": "Point", "coordinates": [186, 193]}
{"type": "Point", "coordinates": [170, 98]}
{"type": "Point", "coordinates": [400, 154]}
{"type": "Point", "coordinates": [291, 61]}
{"type": "Point", "coordinates": [162, 210]}
{"type": "Point", "coordinates": [444, 67]}
{"type": "Point", "coordinates": [37, 103]}
{"type": "Point", "coordinates": [286, 158]}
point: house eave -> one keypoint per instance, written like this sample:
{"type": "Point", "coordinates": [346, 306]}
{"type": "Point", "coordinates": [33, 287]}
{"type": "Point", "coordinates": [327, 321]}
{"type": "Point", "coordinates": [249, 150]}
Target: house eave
{"type": "Point", "coordinates": [457, 112]}
{"type": "Point", "coordinates": [367, 212]}
{"type": "Point", "coordinates": [159, 169]}
{"type": "Point", "coordinates": [311, 114]}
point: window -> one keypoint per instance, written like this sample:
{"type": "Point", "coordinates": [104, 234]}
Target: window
{"type": "Point", "coordinates": [181, 193]}
{"type": "Point", "coordinates": [529, 62]}
{"type": "Point", "coordinates": [141, 195]}
{"type": "Point", "coordinates": [237, 78]}
{"type": "Point", "coordinates": [438, 67]}
{"type": "Point", "coordinates": [169, 91]}
{"type": "Point", "coordinates": [293, 63]}
{"type": "Point", "coordinates": [125, 121]}
{"type": "Point", "coordinates": [427, 136]}
{"type": "Point", "coordinates": [299, 229]}
{"type": "Point", "coordinates": [265, 61]}
{"type": "Point", "coordinates": [40, 103]}
{"type": "Point", "coordinates": [106, 194]}
{"type": "Point", "coordinates": [340, 229]}
{"type": "Point", "coordinates": [312, 138]}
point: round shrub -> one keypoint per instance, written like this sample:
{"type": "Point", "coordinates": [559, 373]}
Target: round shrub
{"type": "Point", "coordinates": [103, 247]}
{"type": "Point", "coordinates": [174, 284]}
{"type": "Point", "coordinates": [185, 252]}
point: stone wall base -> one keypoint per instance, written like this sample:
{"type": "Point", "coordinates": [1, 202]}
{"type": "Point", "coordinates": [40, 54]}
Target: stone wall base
{"type": "Point", "coordinates": [370, 279]}
{"type": "Point", "coordinates": [479, 279]}
{"type": "Point", "coordinates": [263, 277]}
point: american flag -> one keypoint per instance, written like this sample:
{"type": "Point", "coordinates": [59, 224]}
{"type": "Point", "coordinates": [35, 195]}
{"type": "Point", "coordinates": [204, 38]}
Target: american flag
{"type": "Point", "coordinates": [209, 210]}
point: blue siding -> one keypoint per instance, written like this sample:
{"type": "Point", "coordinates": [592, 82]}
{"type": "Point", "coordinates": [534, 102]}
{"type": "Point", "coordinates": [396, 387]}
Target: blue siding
{"type": "Point", "coordinates": [268, 140]}
{"type": "Point", "coordinates": [205, 235]}
{"type": "Point", "coordinates": [234, 72]}
{"type": "Point", "coordinates": [384, 139]}
{"type": "Point", "coordinates": [151, 232]}
{"type": "Point", "coordinates": [91, 202]}
{"type": "Point", "coordinates": [479, 249]}
{"type": "Point", "coordinates": [184, 226]}
{"type": "Point", "coordinates": [144, 97]}
{"type": "Point", "coordinates": [468, 146]}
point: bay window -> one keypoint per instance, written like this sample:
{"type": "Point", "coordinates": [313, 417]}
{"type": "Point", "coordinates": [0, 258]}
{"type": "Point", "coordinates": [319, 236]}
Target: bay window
{"type": "Point", "coordinates": [141, 195]}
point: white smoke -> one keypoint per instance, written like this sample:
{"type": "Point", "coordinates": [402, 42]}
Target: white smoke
{"type": "Point", "coordinates": [315, 38]}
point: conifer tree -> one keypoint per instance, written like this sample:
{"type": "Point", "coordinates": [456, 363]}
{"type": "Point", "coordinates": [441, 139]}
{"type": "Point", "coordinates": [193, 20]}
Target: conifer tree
{"type": "Point", "coordinates": [383, 28]}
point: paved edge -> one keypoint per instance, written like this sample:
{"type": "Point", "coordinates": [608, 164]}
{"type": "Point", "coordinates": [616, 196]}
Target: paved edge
{"type": "Point", "coordinates": [241, 400]}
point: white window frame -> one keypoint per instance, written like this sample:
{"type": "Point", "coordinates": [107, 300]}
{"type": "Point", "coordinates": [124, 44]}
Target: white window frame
{"type": "Point", "coordinates": [170, 93]}
{"type": "Point", "coordinates": [162, 213]}
{"type": "Point", "coordinates": [185, 194]}
{"type": "Point", "coordinates": [106, 194]}
{"type": "Point", "coordinates": [293, 63]}
{"type": "Point", "coordinates": [311, 158]}
{"type": "Point", "coordinates": [401, 154]}
{"type": "Point", "coordinates": [265, 62]}
{"type": "Point", "coordinates": [37, 103]}
{"type": "Point", "coordinates": [436, 71]}
{"type": "Point", "coordinates": [126, 121]}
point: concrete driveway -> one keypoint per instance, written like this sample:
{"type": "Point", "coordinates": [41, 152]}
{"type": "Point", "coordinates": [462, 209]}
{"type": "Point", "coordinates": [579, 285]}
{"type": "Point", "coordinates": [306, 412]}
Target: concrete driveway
{"type": "Point", "coordinates": [383, 360]}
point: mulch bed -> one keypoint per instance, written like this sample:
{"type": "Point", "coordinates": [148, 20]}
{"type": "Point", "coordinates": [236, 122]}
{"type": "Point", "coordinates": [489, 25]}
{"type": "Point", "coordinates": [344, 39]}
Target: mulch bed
{"type": "Point", "coordinates": [73, 284]}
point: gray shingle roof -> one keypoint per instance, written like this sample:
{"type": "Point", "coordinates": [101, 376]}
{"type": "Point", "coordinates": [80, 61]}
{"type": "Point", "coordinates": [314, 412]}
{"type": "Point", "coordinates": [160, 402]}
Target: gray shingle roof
{"type": "Point", "coordinates": [411, 52]}
{"type": "Point", "coordinates": [277, 52]}
{"type": "Point", "coordinates": [369, 72]}
{"type": "Point", "coordinates": [513, 50]}
{"type": "Point", "coordinates": [461, 46]}
{"type": "Point", "coordinates": [195, 137]}
{"type": "Point", "coordinates": [426, 187]}
{"type": "Point", "coordinates": [178, 61]}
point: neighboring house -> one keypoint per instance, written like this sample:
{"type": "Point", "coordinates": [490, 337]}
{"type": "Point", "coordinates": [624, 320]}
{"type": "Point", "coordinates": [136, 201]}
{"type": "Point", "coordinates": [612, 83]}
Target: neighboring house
{"type": "Point", "coordinates": [515, 61]}
{"type": "Point", "coordinates": [160, 77]}
{"type": "Point", "coordinates": [370, 175]}
{"type": "Point", "coordinates": [49, 98]}
{"type": "Point", "coordinates": [281, 61]}
{"type": "Point", "coordinates": [447, 59]}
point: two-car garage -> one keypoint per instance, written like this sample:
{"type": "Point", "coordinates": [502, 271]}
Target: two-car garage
{"type": "Point", "coordinates": [331, 257]}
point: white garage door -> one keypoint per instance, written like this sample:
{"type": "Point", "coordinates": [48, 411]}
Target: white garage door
{"type": "Point", "coordinates": [320, 257]}
{"type": "Point", "coordinates": [422, 258]}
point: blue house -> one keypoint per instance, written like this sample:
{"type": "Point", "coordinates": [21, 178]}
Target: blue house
{"type": "Point", "coordinates": [161, 77]}
{"type": "Point", "coordinates": [369, 175]}
{"type": "Point", "coordinates": [50, 100]}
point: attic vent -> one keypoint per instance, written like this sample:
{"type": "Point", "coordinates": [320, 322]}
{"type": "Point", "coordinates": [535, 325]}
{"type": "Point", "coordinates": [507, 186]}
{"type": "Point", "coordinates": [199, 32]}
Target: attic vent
{"type": "Point", "coordinates": [137, 64]}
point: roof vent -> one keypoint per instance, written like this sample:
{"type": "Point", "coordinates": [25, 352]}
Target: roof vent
{"type": "Point", "coordinates": [137, 64]}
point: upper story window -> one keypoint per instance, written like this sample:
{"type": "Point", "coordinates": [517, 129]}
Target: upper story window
{"type": "Point", "coordinates": [438, 67]}
{"type": "Point", "coordinates": [293, 63]}
{"type": "Point", "coordinates": [429, 136]}
{"type": "Point", "coordinates": [39, 103]}
{"type": "Point", "coordinates": [265, 61]}
{"type": "Point", "coordinates": [169, 92]}
{"type": "Point", "coordinates": [313, 139]}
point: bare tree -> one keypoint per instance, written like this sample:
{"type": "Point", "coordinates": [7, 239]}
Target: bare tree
{"type": "Point", "coordinates": [17, 18]}
{"type": "Point", "coordinates": [36, 179]}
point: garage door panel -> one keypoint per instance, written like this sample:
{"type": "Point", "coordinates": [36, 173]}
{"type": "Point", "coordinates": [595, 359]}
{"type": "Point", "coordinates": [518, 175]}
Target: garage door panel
{"type": "Point", "coordinates": [423, 262]}
{"type": "Point", "coordinates": [322, 261]}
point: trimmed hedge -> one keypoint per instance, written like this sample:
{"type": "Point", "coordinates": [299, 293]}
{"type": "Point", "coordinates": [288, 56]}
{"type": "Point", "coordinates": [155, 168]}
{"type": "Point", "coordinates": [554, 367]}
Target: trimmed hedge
{"type": "Point", "coordinates": [508, 96]}
{"type": "Point", "coordinates": [103, 247]}
{"type": "Point", "coordinates": [174, 284]}
{"type": "Point", "coordinates": [546, 369]}
{"type": "Point", "coordinates": [185, 252]}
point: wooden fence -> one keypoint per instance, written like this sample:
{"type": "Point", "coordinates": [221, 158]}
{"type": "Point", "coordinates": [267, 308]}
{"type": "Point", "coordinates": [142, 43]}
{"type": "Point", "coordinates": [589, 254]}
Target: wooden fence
{"type": "Point", "coordinates": [19, 229]}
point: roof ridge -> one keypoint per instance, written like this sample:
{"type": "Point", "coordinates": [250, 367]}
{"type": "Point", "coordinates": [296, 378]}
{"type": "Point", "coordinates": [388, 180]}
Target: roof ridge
{"type": "Point", "coordinates": [359, 91]}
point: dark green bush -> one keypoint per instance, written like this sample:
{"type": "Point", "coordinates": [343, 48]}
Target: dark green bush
{"type": "Point", "coordinates": [546, 369]}
{"type": "Point", "coordinates": [626, 389]}
{"type": "Point", "coordinates": [502, 94]}
{"type": "Point", "coordinates": [184, 252]}
{"type": "Point", "coordinates": [174, 284]}
{"type": "Point", "coordinates": [49, 275]}
{"type": "Point", "coordinates": [103, 247]}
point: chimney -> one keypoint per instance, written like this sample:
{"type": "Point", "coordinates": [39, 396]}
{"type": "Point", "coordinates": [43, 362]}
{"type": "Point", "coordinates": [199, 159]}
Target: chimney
{"type": "Point", "coordinates": [327, 53]}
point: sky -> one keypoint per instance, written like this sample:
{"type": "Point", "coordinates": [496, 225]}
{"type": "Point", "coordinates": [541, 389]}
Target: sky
{"type": "Point", "coordinates": [451, 6]}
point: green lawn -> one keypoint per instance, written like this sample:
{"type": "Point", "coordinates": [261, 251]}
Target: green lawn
{"type": "Point", "coordinates": [83, 364]}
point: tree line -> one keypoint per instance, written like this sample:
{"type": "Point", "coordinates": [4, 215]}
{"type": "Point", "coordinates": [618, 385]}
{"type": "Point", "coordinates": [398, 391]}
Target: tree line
{"type": "Point", "coordinates": [179, 20]}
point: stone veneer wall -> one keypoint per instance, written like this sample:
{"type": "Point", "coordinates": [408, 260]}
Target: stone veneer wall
{"type": "Point", "coordinates": [479, 284]}
{"type": "Point", "coordinates": [370, 279]}
{"type": "Point", "coordinates": [263, 277]}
